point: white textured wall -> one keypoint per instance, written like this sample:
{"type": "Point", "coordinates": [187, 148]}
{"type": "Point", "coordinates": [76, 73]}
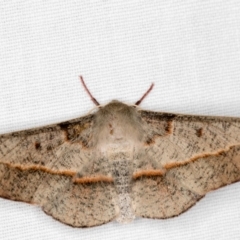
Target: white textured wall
{"type": "Point", "coordinates": [189, 49]}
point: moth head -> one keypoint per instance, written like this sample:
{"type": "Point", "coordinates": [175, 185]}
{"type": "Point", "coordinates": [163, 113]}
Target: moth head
{"type": "Point", "coordinates": [117, 122]}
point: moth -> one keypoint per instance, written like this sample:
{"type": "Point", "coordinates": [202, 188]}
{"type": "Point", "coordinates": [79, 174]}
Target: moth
{"type": "Point", "coordinates": [120, 162]}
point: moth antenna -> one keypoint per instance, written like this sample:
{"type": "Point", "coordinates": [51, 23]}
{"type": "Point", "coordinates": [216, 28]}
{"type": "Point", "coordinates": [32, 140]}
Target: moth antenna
{"type": "Point", "coordinates": [144, 95]}
{"type": "Point", "coordinates": [89, 93]}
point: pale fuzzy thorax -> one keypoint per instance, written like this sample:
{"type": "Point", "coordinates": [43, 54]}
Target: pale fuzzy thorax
{"type": "Point", "coordinates": [117, 122]}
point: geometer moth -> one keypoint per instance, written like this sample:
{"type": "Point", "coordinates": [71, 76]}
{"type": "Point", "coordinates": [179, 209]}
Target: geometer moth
{"type": "Point", "coordinates": [120, 162]}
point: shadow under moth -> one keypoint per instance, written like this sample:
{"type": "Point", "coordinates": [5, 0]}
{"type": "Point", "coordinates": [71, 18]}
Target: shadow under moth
{"type": "Point", "coordinates": [120, 162]}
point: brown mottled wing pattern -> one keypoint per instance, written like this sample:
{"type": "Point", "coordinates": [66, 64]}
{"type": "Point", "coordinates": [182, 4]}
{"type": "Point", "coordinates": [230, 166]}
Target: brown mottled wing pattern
{"type": "Point", "coordinates": [54, 167]}
{"type": "Point", "coordinates": [187, 157]}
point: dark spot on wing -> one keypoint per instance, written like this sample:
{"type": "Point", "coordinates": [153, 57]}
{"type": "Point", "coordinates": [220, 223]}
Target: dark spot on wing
{"type": "Point", "coordinates": [111, 128]}
{"type": "Point", "coordinates": [199, 132]}
{"type": "Point", "coordinates": [64, 126]}
{"type": "Point", "coordinates": [168, 128]}
{"type": "Point", "coordinates": [149, 141]}
{"type": "Point", "coordinates": [38, 146]}
{"type": "Point", "coordinates": [49, 147]}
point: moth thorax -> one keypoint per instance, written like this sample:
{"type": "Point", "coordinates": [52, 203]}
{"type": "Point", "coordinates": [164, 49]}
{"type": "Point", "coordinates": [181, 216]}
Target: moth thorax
{"type": "Point", "coordinates": [119, 152]}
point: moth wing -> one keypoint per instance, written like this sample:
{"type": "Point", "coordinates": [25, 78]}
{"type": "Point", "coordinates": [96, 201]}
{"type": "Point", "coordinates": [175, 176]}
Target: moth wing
{"type": "Point", "coordinates": [42, 166]}
{"type": "Point", "coordinates": [187, 157]}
